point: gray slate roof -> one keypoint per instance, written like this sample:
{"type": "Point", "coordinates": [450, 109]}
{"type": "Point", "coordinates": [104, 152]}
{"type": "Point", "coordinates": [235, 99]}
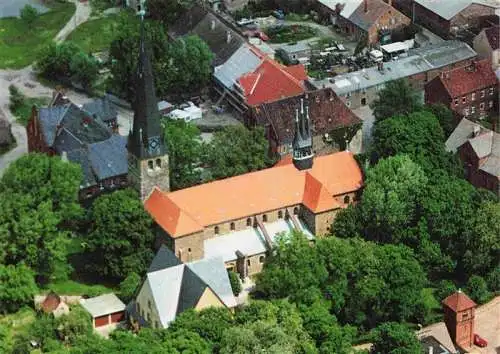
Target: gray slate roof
{"type": "Point", "coordinates": [419, 61]}
{"type": "Point", "coordinates": [109, 157]}
{"type": "Point", "coordinates": [243, 61]}
{"type": "Point", "coordinates": [486, 144]}
{"type": "Point", "coordinates": [164, 258]}
{"type": "Point", "coordinates": [178, 287]}
{"type": "Point", "coordinates": [448, 9]}
{"type": "Point", "coordinates": [101, 108]}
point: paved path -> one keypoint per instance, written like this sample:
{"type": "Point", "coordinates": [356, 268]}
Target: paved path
{"type": "Point", "coordinates": [82, 14]}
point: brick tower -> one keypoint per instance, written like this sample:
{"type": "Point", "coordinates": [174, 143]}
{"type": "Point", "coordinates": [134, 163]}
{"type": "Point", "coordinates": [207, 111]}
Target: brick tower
{"type": "Point", "coordinates": [302, 141]}
{"type": "Point", "coordinates": [147, 154]}
{"type": "Point", "coordinates": [459, 318]}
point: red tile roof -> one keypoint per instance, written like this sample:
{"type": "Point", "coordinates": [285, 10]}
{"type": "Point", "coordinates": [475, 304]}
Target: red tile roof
{"type": "Point", "coordinates": [467, 79]}
{"type": "Point", "coordinates": [272, 81]}
{"type": "Point", "coordinates": [189, 210]}
{"type": "Point", "coordinates": [458, 301]}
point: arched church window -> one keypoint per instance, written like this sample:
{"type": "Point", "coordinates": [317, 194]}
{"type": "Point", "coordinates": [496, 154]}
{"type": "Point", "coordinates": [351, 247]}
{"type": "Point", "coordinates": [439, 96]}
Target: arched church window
{"type": "Point", "coordinates": [150, 164]}
{"type": "Point", "coordinates": [216, 230]}
{"type": "Point", "coordinates": [280, 214]}
{"type": "Point", "coordinates": [249, 222]}
{"type": "Point", "coordinates": [346, 199]}
{"type": "Point", "coordinates": [233, 226]}
{"type": "Point", "coordinates": [158, 163]}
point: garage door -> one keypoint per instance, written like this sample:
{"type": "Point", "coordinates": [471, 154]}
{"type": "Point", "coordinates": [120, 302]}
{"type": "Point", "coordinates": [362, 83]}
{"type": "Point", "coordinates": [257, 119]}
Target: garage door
{"type": "Point", "coordinates": [117, 317]}
{"type": "Point", "coordinates": [101, 321]}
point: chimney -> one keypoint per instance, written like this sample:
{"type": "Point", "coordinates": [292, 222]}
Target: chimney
{"type": "Point", "coordinates": [476, 130]}
{"type": "Point", "coordinates": [212, 25]}
{"type": "Point", "coordinates": [389, 2]}
{"type": "Point", "coordinates": [64, 156]}
{"type": "Point", "coordinates": [366, 5]}
{"type": "Point", "coordinates": [228, 36]}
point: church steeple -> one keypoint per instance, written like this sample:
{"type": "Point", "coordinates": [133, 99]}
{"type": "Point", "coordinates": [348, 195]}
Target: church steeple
{"type": "Point", "coordinates": [148, 157]}
{"type": "Point", "coordinates": [302, 141]}
{"type": "Point", "coordinates": [145, 140]}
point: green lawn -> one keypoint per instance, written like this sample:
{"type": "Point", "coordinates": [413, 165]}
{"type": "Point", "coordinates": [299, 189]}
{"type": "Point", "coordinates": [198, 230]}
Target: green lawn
{"type": "Point", "coordinates": [71, 287]}
{"type": "Point", "coordinates": [95, 35]}
{"type": "Point", "coordinates": [19, 45]}
{"type": "Point", "coordinates": [291, 33]}
{"type": "Point", "coordinates": [23, 113]}
{"type": "Point", "coordinates": [16, 323]}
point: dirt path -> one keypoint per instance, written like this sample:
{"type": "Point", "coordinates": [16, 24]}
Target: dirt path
{"type": "Point", "coordinates": [82, 14]}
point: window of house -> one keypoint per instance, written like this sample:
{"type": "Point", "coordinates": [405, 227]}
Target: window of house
{"type": "Point", "coordinates": [346, 199]}
{"type": "Point", "coordinates": [473, 96]}
{"type": "Point", "coordinates": [189, 250]}
{"type": "Point", "coordinates": [491, 90]}
{"type": "Point", "coordinates": [490, 104]}
{"type": "Point", "coordinates": [149, 304]}
{"type": "Point", "coordinates": [216, 230]}
{"type": "Point", "coordinates": [232, 226]}
{"type": "Point", "coordinates": [482, 93]}
{"type": "Point", "coordinates": [363, 101]}
{"type": "Point", "coordinates": [138, 308]}
{"type": "Point", "coordinates": [248, 262]}
{"type": "Point", "coordinates": [280, 214]}
{"type": "Point", "coordinates": [158, 163]}
{"type": "Point", "coordinates": [264, 217]}
{"type": "Point", "coordinates": [150, 164]}
{"type": "Point", "coordinates": [463, 99]}
{"type": "Point", "coordinates": [261, 259]}
{"type": "Point", "coordinates": [295, 211]}
{"type": "Point", "coordinates": [249, 222]}
{"type": "Point", "coordinates": [473, 109]}
{"type": "Point", "coordinates": [456, 101]}
{"type": "Point", "coordinates": [481, 106]}
{"type": "Point", "coordinates": [348, 103]}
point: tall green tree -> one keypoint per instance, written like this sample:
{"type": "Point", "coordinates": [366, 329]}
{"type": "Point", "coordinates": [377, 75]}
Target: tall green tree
{"type": "Point", "coordinates": [396, 98]}
{"type": "Point", "coordinates": [184, 147]}
{"type": "Point", "coordinates": [167, 11]}
{"type": "Point", "coordinates": [84, 68]}
{"type": "Point", "coordinates": [444, 116]}
{"type": "Point", "coordinates": [236, 150]}
{"type": "Point", "coordinates": [54, 60]}
{"type": "Point", "coordinates": [120, 238]}
{"type": "Point", "coordinates": [17, 287]}
{"type": "Point", "coordinates": [395, 338]}
{"type": "Point", "coordinates": [28, 15]}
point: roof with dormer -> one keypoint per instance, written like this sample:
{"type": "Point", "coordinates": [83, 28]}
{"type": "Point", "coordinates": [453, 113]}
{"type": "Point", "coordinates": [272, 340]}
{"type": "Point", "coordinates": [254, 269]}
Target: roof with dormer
{"type": "Point", "coordinates": [190, 210]}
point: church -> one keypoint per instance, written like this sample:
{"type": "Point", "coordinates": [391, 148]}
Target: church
{"type": "Point", "coordinates": [237, 218]}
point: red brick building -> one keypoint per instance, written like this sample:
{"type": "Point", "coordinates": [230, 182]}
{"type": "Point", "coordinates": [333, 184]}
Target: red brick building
{"type": "Point", "coordinates": [470, 91]}
{"type": "Point", "coordinates": [360, 19]}
{"type": "Point", "coordinates": [459, 318]}
{"type": "Point", "coordinates": [447, 17]}
{"type": "Point", "coordinates": [479, 150]}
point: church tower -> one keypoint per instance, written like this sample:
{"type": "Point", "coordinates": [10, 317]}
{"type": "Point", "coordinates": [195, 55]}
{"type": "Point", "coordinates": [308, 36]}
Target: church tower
{"type": "Point", "coordinates": [459, 316]}
{"type": "Point", "coordinates": [302, 141]}
{"type": "Point", "coordinates": [147, 154]}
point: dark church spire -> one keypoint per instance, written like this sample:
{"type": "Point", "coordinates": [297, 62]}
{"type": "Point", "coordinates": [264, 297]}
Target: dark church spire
{"type": "Point", "coordinates": [302, 141]}
{"type": "Point", "coordinates": [145, 139]}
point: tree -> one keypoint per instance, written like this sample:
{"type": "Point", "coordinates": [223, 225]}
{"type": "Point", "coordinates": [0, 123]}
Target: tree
{"type": "Point", "coordinates": [184, 147]}
{"type": "Point", "coordinates": [17, 287]}
{"type": "Point", "coordinates": [44, 179]}
{"type": "Point", "coordinates": [167, 11]}
{"type": "Point", "coordinates": [28, 15]}
{"type": "Point", "coordinates": [73, 325]}
{"type": "Point", "coordinates": [395, 99]}
{"type": "Point", "coordinates": [234, 279]}
{"type": "Point", "coordinates": [240, 340]}
{"type": "Point", "coordinates": [184, 341]}
{"type": "Point", "coordinates": [121, 237]}
{"type": "Point", "coordinates": [444, 116]}
{"type": "Point", "coordinates": [390, 199]}
{"type": "Point", "coordinates": [477, 289]}
{"type": "Point", "coordinates": [444, 289]}
{"type": "Point", "coordinates": [128, 286]}
{"type": "Point", "coordinates": [236, 150]}
{"type": "Point", "coordinates": [54, 60]}
{"type": "Point", "coordinates": [84, 69]}
{"type": "Point", "coordinates": [395, 338]}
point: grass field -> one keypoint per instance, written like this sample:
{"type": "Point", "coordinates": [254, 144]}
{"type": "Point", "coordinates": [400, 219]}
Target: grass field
{"type": "Point", "coordinates": [95, 35]}
{"type": "Point", "coordinates": [19, 45]}
{"type": "Point", "coordinates": [23, 113]}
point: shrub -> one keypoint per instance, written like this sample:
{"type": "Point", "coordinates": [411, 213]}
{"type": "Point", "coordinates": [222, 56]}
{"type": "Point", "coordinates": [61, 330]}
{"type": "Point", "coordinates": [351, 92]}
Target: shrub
{"type": "Point", "coordinates": [234, 279]}
{"type": "Point", "coordinates": [28, 15]}
{"type": "Point", "coordinates": [16, 98]}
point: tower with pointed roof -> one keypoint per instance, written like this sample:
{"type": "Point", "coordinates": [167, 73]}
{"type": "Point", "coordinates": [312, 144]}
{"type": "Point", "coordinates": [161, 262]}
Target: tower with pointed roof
{"type": "Point", "coordinates": [302, 141]}
{"type": "Point", "coordinates": [147, 154]}
{"type": "Point", "coordinates": [459, 318]}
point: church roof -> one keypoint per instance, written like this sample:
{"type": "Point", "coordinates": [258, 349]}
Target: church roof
{"type": "Point", "coordinates": [192, 209]}
{"type": "Point", "coordinates": [458, 301]}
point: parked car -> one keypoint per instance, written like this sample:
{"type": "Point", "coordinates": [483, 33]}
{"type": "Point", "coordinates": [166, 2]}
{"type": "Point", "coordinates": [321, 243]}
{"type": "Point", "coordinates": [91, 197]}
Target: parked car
{"type": "Point", "coordinates": [479, 341]}
{"type": "Point", "coordinates": [279, 14]}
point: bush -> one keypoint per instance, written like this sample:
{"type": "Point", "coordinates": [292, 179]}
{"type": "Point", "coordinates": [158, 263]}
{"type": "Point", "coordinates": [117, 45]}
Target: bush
{"type": "Point", "coordinates": [17, 287]}
{"type": "Point", "coordinates": [477, 289]}
{"type": "Point", "coordinates": [28, 15]}
{"type": "Point", "coordinates": [129, 286]}
{"type": "Point", "coordinates": [16, 98]}
{"type": "Point", "coordinates": [234, 279]}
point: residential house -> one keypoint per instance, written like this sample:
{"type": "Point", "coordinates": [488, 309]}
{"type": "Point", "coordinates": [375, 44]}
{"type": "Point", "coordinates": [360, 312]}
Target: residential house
{"type": "Point", "coordinates": [487, 45]}
{"type": "Point", "coordinates": [369, 20]}
{"type": "Point", "coordinates": [219, 34]}
{"type": "Point", "coordinates": [71, 132]}
{"type": "Point", "coordinates": [470, 91]}
{"type": "Point", "coordinates": [105, 310]}
{"type": "Point", "coordinates": [447, 18]}
{"type": "Point", "coordinates": [238, 218]}
{"type": "Point", "coordinates": [171, 287]}
{"type": "Point", "coordinates": [361, 88]}
{"type": "Point", "coordinates": [479, 150]}
{"type": "Point", "coordinates": [293, 53]}
{"type": "Point", "coordinates": [6, 137]}
{"type": "Point", "coordinates": [52, 303]}
{"type": "Point", "coordinates": [328, 113]}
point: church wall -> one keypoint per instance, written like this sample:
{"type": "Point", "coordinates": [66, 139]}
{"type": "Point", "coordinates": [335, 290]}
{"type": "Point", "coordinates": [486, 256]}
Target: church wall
{"type": "Point", "coordinates": [190, 247]}
{"type": "Point", "coordinates": [323, 222]}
